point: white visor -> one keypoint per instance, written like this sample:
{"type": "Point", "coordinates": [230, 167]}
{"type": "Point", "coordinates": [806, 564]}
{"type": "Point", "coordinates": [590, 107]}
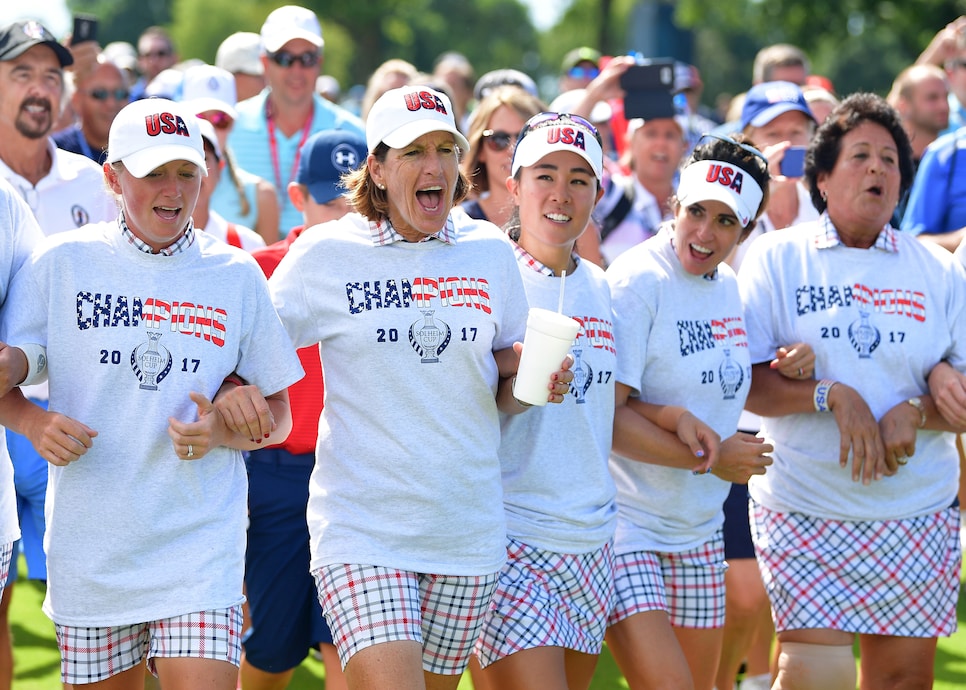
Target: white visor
{"type": "Point", "coordinates": [709, 180]}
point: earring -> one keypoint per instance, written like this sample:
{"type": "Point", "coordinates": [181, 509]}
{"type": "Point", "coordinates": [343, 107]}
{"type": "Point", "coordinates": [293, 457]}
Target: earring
{"type": "Point", "coordinates": [382, 187]}
{"type": "Point", "coordinates": [824, 195]}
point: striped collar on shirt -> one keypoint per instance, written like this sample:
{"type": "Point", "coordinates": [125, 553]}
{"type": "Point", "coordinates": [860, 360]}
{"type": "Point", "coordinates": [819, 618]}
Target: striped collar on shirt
{"type": "Point", "coordinates": [526, 258]}
{"type": "Point", "coordinates": [176, 247]}
{"type": "Point", "coordinates": [384, 233]}
{"type": "Point", "coordinates": [826, 236]}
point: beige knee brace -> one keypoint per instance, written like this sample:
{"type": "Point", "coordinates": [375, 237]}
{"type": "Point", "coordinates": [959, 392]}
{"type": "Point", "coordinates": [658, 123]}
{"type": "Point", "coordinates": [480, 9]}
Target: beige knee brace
{"type": "Point", "coordinates": [815, 667]}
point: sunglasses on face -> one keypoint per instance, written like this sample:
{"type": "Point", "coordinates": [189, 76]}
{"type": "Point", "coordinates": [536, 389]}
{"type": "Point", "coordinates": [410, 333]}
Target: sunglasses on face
{"type": "Point", "coordinates": [583, 72]}
{"type": "Point", "coordinates": [498, 140]}
{"type": "Point", "coordinates": [218, 119]}
{"type": "Point", "coordinates": [960, 63]}
{"type": "Point", "coordinates": [745, 147]}
{"type": "Point", "coordinates": [156, 55]}
{"type": "Point", "coordinates": [283, 58]}
{"type": "Point", "coordinates": [541, 119]}
{"type": "Point", "coordinates": [104, 94]}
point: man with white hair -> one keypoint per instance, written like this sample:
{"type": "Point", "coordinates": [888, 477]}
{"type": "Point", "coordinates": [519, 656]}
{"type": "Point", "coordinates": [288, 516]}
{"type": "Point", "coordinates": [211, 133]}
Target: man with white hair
{"type": "Point", "coordinates": [272, 126]}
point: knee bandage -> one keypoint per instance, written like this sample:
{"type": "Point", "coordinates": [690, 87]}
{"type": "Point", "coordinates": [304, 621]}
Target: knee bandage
{"type": "Point", "coordinates": [804, 666]}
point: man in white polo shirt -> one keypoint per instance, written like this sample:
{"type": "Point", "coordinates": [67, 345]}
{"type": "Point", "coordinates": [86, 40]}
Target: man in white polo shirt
{"type": "Point", "coordinates": [64, 190]}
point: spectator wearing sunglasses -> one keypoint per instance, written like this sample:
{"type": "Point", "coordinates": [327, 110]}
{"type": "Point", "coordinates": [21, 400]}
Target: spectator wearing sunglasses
{"type": "Point", "coordinates": [156, 53]}
{"type": "Point", "coordinates": [96, 100]}
{"type": "Point", "coordinates": [240, 196]}
{"type": "Point", "coordinates": [580, 67]}
{"type": "Point", "coordinates": [272, 126]}
{"type": "Point", "coordinates": [493, 128]}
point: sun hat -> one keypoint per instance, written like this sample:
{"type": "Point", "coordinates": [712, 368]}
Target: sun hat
{"type": "Point", "coordinates": [400, 116]}
{"type": "Point", "coordinates": [150, 132]}
{"type": "Point", "coordinates": [288, 23]}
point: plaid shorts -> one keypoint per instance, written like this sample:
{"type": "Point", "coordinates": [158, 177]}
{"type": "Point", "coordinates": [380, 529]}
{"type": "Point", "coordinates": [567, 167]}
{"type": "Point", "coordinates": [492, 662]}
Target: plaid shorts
{"type": "Point", "coordinates": [6, 558]}
{"type": "Point", "coordinates": [689, 585]}
{"type": "Point", "coordinates": [90, 655]}
{"type": "Point", "coordinates": [366, 605]}
{"type": "Point", "coordinates": [889, 577]}
{"type": "Point", "coordinates": [548, 599]}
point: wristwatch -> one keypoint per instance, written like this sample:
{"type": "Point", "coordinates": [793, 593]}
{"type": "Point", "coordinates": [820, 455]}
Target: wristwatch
{"type": "Point", "coordinates": [917, 403]}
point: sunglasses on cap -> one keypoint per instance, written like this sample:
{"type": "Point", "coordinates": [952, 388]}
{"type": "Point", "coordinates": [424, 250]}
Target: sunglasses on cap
{"type": "Point", "coordinates": [542, 119]}
{"type": "Point", "coordinates": [583, 72]}
{"type": "Point", "coordinates": [218, 119]}
{"type": "Point", "coordinates": [284, 58]}
{"type": "Point", "coordinates": [104, 94]}
{"type": "Point", "coordinates": [745, 147]}
{"type": "Point", "coordinates": [498, 140]}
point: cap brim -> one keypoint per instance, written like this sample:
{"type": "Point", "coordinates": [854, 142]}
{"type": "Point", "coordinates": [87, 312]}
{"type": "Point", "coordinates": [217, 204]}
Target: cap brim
{"type": "Point", "coordinates": [274, 44]}
{"type": "Point", "coordinates": [63, 55]}
{"type": "Point", "coordinates": [203, 105]}
{"type": "Point", "coordinates": [325, 191]}
{"type": "Point", "coordinates": [773, 111]}
{"type": "Point", "coordinates": [410, 132]}
{"type": "Point", "coordinates": [144, 161]}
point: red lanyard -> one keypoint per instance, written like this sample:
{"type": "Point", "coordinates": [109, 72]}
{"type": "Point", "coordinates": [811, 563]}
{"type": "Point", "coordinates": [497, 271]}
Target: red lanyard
{"type": "Point", "coordinates": [273, 145]}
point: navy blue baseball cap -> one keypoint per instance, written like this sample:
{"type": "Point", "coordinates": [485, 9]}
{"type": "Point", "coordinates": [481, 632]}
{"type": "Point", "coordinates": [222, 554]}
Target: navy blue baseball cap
{"type": "Point", "coordinates": [767, 101]}
{"type": "Point", "coordinates": [325, 158]}
{"type": "Point", "coordinates": [19, 37]}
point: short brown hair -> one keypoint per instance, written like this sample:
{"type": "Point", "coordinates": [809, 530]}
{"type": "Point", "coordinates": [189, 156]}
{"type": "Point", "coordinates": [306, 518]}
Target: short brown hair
{"type": "Point", "coordinates": [366, 197]}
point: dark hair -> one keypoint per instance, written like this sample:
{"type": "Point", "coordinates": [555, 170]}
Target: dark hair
{"type": "Point", "coordinates": [825, 147]}
{"type": "Point", "coordinates": [366, 198]}
{"type": "Point", "coordinates": [732, 150]}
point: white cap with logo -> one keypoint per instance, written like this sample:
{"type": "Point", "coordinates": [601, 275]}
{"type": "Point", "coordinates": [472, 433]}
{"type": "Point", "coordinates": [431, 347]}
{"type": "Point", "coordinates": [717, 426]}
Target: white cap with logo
{"type": "Point", "coordinates": [150, 132]}
{"type": "Point", "coordinates": [206, 87]}
{"type": "Point", "coordinates": [400, 116]}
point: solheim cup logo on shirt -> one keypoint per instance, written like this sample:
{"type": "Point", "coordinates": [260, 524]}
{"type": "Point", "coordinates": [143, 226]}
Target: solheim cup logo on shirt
{"type": "Point", "coordinates": [151, 361]}
{"type": "Point", "coordinates": [429, 339]}
{"type": "Point", "coordinates": [583, 375]}
{"type": "Point", "coordinates": [863, 335]}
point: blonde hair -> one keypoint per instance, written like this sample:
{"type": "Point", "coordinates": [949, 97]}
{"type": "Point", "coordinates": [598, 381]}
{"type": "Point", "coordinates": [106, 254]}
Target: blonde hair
{"type": "Point", "coordinates": [513, 97]}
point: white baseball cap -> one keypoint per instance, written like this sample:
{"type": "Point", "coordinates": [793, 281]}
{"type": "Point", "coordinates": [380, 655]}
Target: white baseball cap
{"type": "Point", "coordinates": [288, 23]}
{"type": "Point", "coordinates": [153, 131]}
{"type": "Point", "coordinates": [206, 87]}
{"type": "Point", "coordinates": [239, 53]}
{"type": "Point", "coordinates": [557, 133]}
{"type": "Point", "coordinates": [400, 116]}
{"type": "Point", "coordinates": [208, 134]}
{"type": "Point", "coordinates": [708, 180]}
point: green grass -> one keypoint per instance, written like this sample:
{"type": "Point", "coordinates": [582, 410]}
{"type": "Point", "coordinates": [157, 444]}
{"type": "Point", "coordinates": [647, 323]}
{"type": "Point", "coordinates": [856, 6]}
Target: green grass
{"type": "Point", "coordinates": [37, 663]}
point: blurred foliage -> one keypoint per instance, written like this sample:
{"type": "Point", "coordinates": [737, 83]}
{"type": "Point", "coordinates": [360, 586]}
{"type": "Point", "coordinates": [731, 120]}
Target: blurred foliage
{"type": "Point", "coordinates": [858, 44]}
